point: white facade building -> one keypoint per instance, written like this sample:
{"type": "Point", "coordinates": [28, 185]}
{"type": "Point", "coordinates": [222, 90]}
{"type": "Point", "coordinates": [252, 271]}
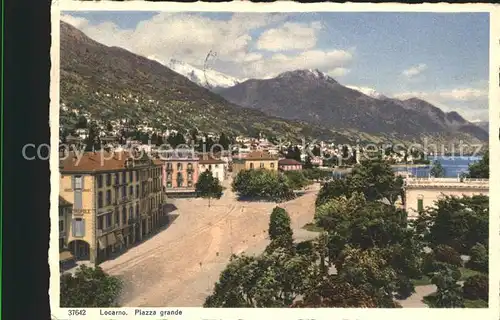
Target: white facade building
{"type": "Point", "coordinates": [421, 193]}
{"type": "Point", "coordinates": [217, 166]}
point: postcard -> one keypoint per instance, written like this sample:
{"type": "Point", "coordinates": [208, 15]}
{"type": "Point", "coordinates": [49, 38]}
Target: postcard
{"type": "Point", "coordinates": [274, 160]}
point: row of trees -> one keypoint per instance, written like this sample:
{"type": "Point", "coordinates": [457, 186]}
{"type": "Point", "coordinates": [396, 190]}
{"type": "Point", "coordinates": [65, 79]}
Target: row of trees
{"type": "Point", "coordinates": [263, 184]}
{"type": "Point", "coordinates": [368, 254]}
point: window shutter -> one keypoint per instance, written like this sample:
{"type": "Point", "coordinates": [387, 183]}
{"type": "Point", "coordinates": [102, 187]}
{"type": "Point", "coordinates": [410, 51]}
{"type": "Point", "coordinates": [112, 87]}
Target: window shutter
{"type": "Point", "coordinates": [73, 182]}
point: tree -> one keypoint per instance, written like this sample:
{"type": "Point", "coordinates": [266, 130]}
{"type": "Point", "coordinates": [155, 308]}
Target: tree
{"type": "Point", "coordinates": [296, 179]}
{"type": "Point", "coordinates": [308, 164]}
{"type": "Point", "coordinates": [224, 141]}
{"type": "Point", "coordinates": [480, 169]}
{"type": "Point", "coordinates": [332, 190]}
{"type": "Point", "coordinates": [279, 224]}
{"type": "Point", "coordinates": [437, 170]}
{"type": "Point", "coordinates": [109, 126]}
{"type": "Point", "coordinates": [208, 186]}
{"type": "Point", "coordinates": [335, 293]}
{"type": "Point", "coordinates": [376, 180]}
{"type": "Point", "coordinates": [293, 153]}
{"type": "Point", "coordinates": [449, 292]}
{"type": "Point", "coordinates": [262, 184]}
{"type": "Point", "coordinates": [446, 254]}
{"type": "Point", "coordinates": [478, 258]}
{"type": "Point", "coordinates": [476, 287]}
{"type": "Point", "coordinates": [92, 143]}
{"type": "Point", "coordinates": [272, 279]}
{"type": "Point", "coordinates": [89, 288]}
{"type": "Point", "coordinates": [460, 223]}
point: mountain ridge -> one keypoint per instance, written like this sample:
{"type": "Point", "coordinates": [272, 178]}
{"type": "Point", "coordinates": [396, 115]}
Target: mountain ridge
{"type": "Point", "coordinates": [319, 99]}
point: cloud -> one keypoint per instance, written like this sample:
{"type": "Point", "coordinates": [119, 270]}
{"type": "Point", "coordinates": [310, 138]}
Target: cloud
{"type": "Point", "coordinates": [289, 36]}
{"type": "Point", "coordinates": [415, 70]}
{"type": "Point", "coordinates": [472, 103]}
{"type": "Point", "coordinates": [190, 37]}
{"type": "Point", "coordinates": [338, 72]}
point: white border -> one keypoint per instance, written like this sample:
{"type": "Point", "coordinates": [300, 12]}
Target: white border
{"type": "Point", "coordinates": [323, 313]}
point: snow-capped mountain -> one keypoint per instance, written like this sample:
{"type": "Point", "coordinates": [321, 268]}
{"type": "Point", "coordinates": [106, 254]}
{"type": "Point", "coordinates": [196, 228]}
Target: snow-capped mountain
{"type": "Point", "coordinates": [210, 79]}
{"type": "Point", "coordinates": [368, 91]}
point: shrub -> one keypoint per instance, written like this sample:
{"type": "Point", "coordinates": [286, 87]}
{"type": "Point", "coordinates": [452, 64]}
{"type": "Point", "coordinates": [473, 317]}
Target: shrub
{"type": "Point", "coordinates": [447, 254]}
{"type": "Point", "coordinates": [476, 287]}
{"type": "Point", "coordinates": [478, 258]}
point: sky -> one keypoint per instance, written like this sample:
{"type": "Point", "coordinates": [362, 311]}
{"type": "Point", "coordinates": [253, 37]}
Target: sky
{"type": "Point", "coordinates": [442, 58]}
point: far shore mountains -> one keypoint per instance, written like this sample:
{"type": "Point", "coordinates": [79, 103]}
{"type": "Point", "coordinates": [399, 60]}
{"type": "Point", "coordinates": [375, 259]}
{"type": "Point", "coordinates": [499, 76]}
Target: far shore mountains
{"type": "Point", "coordinates": [111, 83]}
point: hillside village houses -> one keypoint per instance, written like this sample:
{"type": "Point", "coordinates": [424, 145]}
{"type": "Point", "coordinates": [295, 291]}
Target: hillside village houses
{"type": "Point", "coordinates": [217, 166]}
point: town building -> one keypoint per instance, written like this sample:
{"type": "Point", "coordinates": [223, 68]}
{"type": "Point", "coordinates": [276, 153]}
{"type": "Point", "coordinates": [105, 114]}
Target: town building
{"type": "Point", "coordinates": [180, 171]}
{"type": "Point", "coordinates": [289, 165]}
{"type": "Point", "coordinates": [65, 209]}
{"type": "Point", "coordinates": [422, 193]}
{"type": "Point", "coordinates": [255, 160]}
{"type": "Point", "coordinates": [218, 167]}
{"type": "Point", "coordinates": [117, 200]}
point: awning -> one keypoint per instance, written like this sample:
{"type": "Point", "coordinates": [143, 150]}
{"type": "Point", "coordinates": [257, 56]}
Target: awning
{"type": "Point", "coordinates": [119, 237]}
{"type": "Point", "coordinates": [102, 243]}
{"type": "Point", "coordinates": [111, 239]}
{"type": "Point", "coordinates": [126, 232]}
{"type": "Point", "coordinates": [65, 256]}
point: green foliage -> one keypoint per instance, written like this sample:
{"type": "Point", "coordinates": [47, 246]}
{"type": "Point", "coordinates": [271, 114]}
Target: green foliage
{"type": "Point", "coordinates": [480, 169]}
{"type": "Point", "coordinates": [308, 164]}
{"type": "Point", "coordinates": [208, 186]}
{"type": "Point", "coordinates": [476, 287]}
{"type": "Point", "coordinates": [478, 258]}
{"type": "Point", "coordinates": [375, 179]}
{"type": "Point", "coordinates": [262, 184]}
{"type": "Point", "coordinates": [437, 170]}
{"type": "Point", "coordinates": [459, 223]}
{"type": "Point", "coordinates": [335, 293]}
{"type": "Point", "coordinates": [316, 174]}
{"type": "Point", "coordinates": [273, 279]}
{"type": "Point", "coordinates": [296, 179]}
{"type": "Point", "coordinates": [293, 153]}
{"type": "Point", "coordinates": [279, 224]}
{"type": "Point", "coordinates": [446, 254]}
{"type": "Point", "coordinates": [89, 288]}
{"type": "Point", "coordinates": [449, 292]}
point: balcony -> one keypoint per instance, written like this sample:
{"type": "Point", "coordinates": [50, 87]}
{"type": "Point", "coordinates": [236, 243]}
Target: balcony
{"type": "Point", "coordinates": [104, 210]}
{"type": "Point", "coordinates": [124, 200]}
{"type": "Point", "coordinates": [133, 221]}
{"type": "Point", "coordinates": [111, 228]}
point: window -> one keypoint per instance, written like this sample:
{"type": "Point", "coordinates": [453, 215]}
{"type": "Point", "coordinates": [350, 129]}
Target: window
{"type": "Point", "coordinates": [272, 165]}
{"type": "Point", "coordinates": [190, 176]}
{"type": "Point", "coordinates": [100, 222]}
{"type": "Point", "coordinates": [251, 165]}
{"type": "Point", "coordinates": [78, 182]}
{"type": "Point", "coordinates": [137, 192]}
{"type": "Point", "coordinates": [190, 184]}
{"type": "Point", "coordinates": [136, 174]}
{"type": "Point", "coordinates": [169, 184]}
{"type": "Point", "coordinates": [108, 179]}
{"type": "Point", "coordinates": [179, 166]}
{"type": "Point", "coordinates": [262, 165]}
{"type": "Point", "coordinates": [61, 225]}
{"type": "Point", "coordinates": [216, 165]}
{"type": "Point", "coordinates": [124, 192]}
{"type": "Point", "coordinates": [169, 176]}
{"type": "Point", "coordinates": [131, 191]}
{"type": "Point", "coordinates": [420, 203]}
{"type": "Point", "coordinates": [124, 215]}
{"type": "Point", "coordinates": [99, 181]}
{"type": "Point", "coordinates": [136, 211]}
{"type": "Point", "coordinates": [78, 227]}
{"type": "Point", "coordinates": [210, 167]}
{"type": "Point", "coordinates": [99, 199]}
{"type": "Point", "coordinates": [124, 177]}
{"type": "Point", "coordinates": [108, 197]}
{"type": "Point", "coordinates": [130, 176]}
{"type": "Point", "coordinates": [190, 166]}
{"type": "Point", "coordinates": [117, 178]}
{"type": "Point", "coordinates": [109, 220]}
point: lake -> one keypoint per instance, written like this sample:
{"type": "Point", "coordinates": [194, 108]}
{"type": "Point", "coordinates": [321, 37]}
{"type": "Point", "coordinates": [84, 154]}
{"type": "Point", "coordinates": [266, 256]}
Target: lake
{"type": "Point", "coordinates": [453, 166]}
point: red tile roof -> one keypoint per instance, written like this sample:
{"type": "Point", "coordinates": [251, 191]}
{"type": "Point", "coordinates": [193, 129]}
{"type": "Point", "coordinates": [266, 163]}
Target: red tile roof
{"type": "Point", "coordinates": [289, 162]}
